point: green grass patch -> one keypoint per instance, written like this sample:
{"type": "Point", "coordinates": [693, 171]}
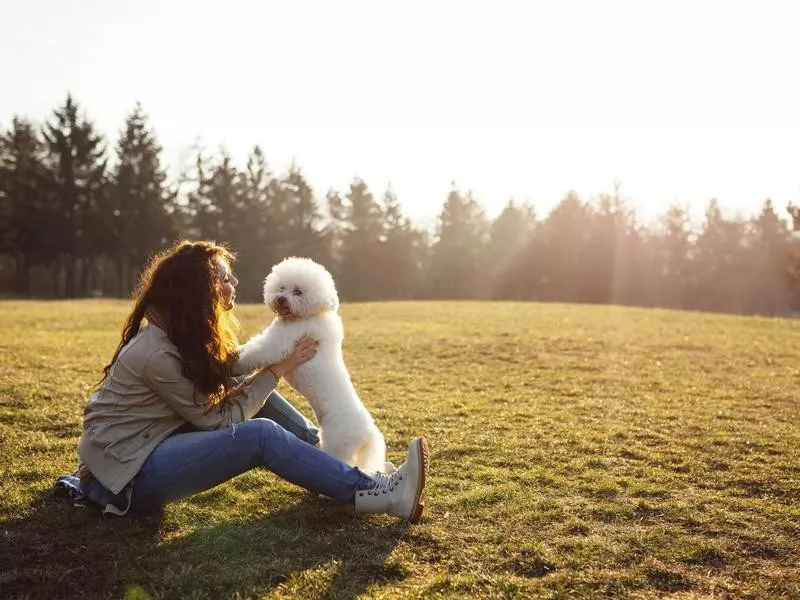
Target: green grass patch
{"type": "Point", "coordinates": [577, 452]}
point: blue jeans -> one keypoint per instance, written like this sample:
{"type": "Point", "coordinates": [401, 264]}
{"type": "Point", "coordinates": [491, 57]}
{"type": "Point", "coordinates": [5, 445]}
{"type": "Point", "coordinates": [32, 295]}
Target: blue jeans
{"type": "Point", "coordinates": [278, 438]}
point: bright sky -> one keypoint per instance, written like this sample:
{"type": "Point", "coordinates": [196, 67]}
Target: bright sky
{"type": "Point", "coordinates": [678, 100]}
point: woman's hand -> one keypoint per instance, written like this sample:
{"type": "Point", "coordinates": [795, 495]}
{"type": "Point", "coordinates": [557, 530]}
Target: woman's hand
{"type": "Point", "coordinates": [304, 350]}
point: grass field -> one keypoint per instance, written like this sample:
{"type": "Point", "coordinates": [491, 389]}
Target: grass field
{"type": "Point", "coordinates": [577, 452]}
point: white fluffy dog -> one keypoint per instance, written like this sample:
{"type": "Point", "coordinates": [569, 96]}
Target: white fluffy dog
{"type": "Point", "coordinates": [303, 297]}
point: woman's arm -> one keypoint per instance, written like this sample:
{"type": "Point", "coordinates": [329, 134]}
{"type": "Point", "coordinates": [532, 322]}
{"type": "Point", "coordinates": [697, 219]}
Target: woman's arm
{"type": "Point", "coordinates": [304, 350]}
{"type": "Point", "coordinates": [163, 373]}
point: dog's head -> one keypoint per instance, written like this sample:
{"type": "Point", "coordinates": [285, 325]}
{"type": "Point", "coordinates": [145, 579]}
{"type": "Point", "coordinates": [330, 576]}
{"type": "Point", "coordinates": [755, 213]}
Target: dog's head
{"type": "Point", "coordinates": [298, 288]}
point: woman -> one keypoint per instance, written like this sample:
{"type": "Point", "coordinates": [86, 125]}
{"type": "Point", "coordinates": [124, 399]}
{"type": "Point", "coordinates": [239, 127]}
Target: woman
{"type": "Point", "coordinates": [167, 420]}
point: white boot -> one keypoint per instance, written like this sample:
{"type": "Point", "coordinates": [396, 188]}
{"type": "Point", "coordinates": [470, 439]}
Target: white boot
{"type": "Point", "coordinates": [401, 493]}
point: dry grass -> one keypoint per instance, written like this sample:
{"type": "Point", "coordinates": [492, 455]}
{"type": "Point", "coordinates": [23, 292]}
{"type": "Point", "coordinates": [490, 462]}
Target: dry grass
{"type": "Point", "coordinates": [577, 452]}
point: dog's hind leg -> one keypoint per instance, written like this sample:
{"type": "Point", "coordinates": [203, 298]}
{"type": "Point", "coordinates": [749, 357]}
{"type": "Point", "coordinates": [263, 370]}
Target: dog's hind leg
{"type": "Point", "coordinates": [344, 450]}
{"type": "Point", "coordinates": [371, 456]}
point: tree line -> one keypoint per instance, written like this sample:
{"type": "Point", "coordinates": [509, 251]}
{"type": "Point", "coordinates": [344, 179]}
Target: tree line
{"type": "Point", "coordinates": [78, 219]}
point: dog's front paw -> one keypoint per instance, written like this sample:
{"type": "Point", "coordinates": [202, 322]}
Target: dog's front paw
{"type": "Point", "coordinates": [248, 360]}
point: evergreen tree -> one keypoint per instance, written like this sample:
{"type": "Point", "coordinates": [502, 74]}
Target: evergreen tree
{"type": "Point", "coordinates": [674, 246]}
{"type": "Point", "coordinates": [400, 259]}
{"type": "Point", "coordinates": [607, 253]}
{"type": "Point", "coordinates": [300, 216]}
{"type": "Point", "coordinates": [767, 269]}
{"type": "Point", "coordinates": [196, 213]}
{"type": "Point", "coordinates": [334, 232]}
{"type": "Point", "coordinates": [361, 245]}
{"type": "Point", "coordinates": [221, 204]}
{"type": "Point", "coordinates": [457, 261]}
{"type": "Point", "coordinates": [142, 203]}
{"type": "Point", "coordinates": [8, 234]}
{"type": "Point", "coordinates": [27, 223]}
{"type": "Point", "coordinates": [791, 257]}
{"type": "Point", "coordinates": [717, 260]}
{"type": "Point", "coordinates": [257, 231]}
{"type": "Point", "coordinates": [561, 250]}
{"type": "Point", "coordinates": [509, 235]}
{"type": "Point", "coordinates": [642, 260]}
{"type": "Point", "coordinates": [75, 156]}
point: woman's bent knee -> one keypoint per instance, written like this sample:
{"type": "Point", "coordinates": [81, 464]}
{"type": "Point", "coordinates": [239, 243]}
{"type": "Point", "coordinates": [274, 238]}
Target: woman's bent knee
{"type": "Point", "coordinates": [260, 430]}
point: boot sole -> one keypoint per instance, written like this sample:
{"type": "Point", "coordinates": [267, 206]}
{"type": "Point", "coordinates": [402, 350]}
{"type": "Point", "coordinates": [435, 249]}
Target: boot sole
{"type": "Point", "coordinates": [419, 502]}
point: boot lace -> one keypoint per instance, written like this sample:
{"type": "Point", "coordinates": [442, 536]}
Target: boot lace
{"type": "Point", "coordinates": [385, 483]}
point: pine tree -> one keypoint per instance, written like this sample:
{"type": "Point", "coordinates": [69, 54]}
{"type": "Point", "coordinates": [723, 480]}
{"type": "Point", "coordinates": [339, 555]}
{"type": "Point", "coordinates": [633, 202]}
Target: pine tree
{"type": "Point", "coordinates": [300, 216]}
{"type": "Point", "coordinates": [607, 258]}
{"type": "Point", "coordinates": [142, 203]}
{"type": "Point", "coordinates": [256, 229]}
{"type": "Point", "coordinates": [8, 233]}
{"type": "Point", "coordinates": [334, 231]}
{"type": "Point", "coordinates": [642, 250]}
{"type": "Point", "coordinates": [768, 271]}
{"type": "Point", "coordinates": [400, 259]}
{"type": "Point", "coordinates": [717, 261]}
{"type": "Point", "coordinates": [75, 156]}
{"type": "Point", "coordinates": [361, 244]}
{"type": "Point", "coordinates": [509, 235]}
{"type": "Point", "coordinates": [457, 255]}
{"type": "Point", "coordinates": [194, 210]}
{"type": "Point", "coordinates": [673, 259]}
{"type": "Point", "coordinates": [791, 257]}
{"type": "Point", "coordinates": [561, 249]}
{"type": "Point", "coordinates": [26, 202]}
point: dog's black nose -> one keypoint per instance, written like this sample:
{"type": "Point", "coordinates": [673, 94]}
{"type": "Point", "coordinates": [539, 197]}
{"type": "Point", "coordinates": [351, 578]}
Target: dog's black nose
{"type": "Point", "coordinates": [281, 300]}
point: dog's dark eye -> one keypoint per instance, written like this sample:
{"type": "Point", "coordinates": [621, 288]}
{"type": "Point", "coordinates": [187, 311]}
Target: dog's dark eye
{"type": "Point", "coordinates": [298, 292]}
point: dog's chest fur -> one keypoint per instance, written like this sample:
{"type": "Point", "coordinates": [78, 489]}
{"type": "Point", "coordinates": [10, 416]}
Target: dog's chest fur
{"type": "Point", "coordinates": [324, 380]}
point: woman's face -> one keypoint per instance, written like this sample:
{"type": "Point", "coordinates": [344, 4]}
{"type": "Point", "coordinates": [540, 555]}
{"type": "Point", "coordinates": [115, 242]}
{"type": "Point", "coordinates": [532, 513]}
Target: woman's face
{"type": "Point", "coordinates": [227, 283]}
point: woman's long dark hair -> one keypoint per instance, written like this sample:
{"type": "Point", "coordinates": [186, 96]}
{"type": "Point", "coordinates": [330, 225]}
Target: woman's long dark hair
{"type": "Point", "coordinates": [181, 284]}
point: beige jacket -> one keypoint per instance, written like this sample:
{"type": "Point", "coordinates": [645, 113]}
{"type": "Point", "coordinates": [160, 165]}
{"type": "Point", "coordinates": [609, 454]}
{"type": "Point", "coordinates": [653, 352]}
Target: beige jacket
{"type": "Point", "coordinates": [143, 400]}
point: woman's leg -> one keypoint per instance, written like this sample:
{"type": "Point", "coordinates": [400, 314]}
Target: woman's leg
{"type": "Point", "coordinates": [188, 463]}
{"type": "Point", "coordinates": [280, 410]}
{"type": "Point", "coordinates": [110, 502]}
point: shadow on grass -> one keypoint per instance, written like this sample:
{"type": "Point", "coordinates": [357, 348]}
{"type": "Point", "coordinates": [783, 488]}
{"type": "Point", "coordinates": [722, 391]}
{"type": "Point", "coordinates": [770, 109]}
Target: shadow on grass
{"type": "Point", "coordinates": [313, 548]}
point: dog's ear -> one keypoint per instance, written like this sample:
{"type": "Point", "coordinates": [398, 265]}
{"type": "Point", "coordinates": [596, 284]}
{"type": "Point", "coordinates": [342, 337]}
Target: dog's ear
{"type": "Point", "coordinates": [267, 282]}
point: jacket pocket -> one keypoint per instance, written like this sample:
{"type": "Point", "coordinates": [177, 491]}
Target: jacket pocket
{"type": "Point", "coordinates": [124, 445]}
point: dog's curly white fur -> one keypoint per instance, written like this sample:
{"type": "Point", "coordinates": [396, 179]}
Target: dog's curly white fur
{"type": "Point", "coordinates": [303, 296]}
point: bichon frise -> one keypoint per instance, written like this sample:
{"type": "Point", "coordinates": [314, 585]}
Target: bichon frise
{"type": "Point", "coordinates": [303, 297]}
